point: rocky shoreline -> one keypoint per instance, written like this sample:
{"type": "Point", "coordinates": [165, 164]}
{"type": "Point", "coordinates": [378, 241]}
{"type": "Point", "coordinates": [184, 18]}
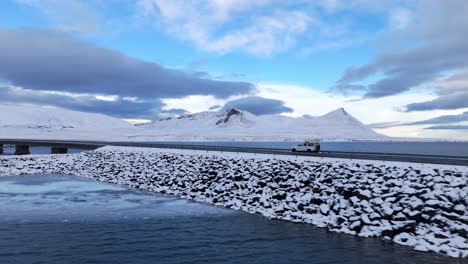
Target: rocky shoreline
{"type": "Point", "coordinates": [421, 206]}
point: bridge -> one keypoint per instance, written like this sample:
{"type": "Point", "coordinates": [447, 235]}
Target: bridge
{"type": "Point", "coordinates": [61, 146]}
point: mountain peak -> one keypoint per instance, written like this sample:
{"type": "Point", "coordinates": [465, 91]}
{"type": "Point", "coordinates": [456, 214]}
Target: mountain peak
{"type": "Point", "coordinates": [233, 111]}
{"type": "Point", "coordinates": [341, 116]}
{"type": "Point", "coordinates": [228, 114]}
{"type": "Point", "coordinates": [338, 112]}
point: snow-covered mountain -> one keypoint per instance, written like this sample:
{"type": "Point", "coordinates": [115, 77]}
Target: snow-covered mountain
{"type": "Point", "coordinates": [227, 125]}
{"type": "Point", "coordinates": [47, 117]}
{"type": "Point", "coordinates": [56, 123]}
{"type": "Point", "coordinates": [233, 124]}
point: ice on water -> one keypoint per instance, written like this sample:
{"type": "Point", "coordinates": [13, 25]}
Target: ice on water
{"type": "Point", "coordinates": [65, 198]}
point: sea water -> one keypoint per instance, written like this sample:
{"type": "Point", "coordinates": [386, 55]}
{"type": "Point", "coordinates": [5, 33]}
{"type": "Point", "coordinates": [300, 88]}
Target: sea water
{"type": "Point", "coordinates": [65, 219]}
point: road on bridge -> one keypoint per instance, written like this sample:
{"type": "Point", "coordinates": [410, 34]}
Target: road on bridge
{"type": "Point", "coordinates": [432, 159]}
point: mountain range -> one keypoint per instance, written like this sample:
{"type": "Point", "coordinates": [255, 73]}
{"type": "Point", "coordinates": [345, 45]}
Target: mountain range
{"type": "Point", "coordinates": [234, 124]}
{"type": "Point", "coordinates": [224, 125]}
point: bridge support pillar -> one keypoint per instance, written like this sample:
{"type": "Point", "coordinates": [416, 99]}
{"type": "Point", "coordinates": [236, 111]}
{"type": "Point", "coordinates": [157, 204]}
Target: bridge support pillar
{"type": "Point", "coordinates": [57, 150]}
{"type": "Point", "coordinates": [22, 150]}
{"type": "Point", "coordinates": [1, 149]}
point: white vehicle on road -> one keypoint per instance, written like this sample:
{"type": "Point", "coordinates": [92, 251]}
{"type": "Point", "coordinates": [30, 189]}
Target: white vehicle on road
{"type": "Point", "coordinates": [307, 146]}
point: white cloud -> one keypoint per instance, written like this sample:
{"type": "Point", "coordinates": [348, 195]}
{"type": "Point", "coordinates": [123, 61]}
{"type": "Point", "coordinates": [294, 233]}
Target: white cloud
{"type": "Point", "coordinates": [69, 15]}
{"type": "Point", "coordinates": [400, 18]}
{"type": "Point", "coordinates": [215, 10]}
{"type": "Point", "coordinates": [265, 36]}
{"type": "Point", "coordinates": [224, 8]}
{"type": "Point", "coordinates": [194, 103]}
{"type": "Point", "coordinates": [110, 98]}
{"type": "Point", "coordinates": [265, 27]}
{"type": "Point", "coordinates": [225, 26]}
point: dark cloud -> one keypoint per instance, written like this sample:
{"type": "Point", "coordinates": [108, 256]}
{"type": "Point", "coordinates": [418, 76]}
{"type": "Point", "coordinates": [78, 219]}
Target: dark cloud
{"type": "Point", "coordinates": [384, 124]}
{"type": "Point", "coordinates": [259, 105]}
{"type": "Point", "coordinates": [445, 119]}
{"type": "Point", "coordinates": [53, 61]}
{"type": "Point", "coordinates": [440, 30]}
{"type": "Point", "coordinates": [406, 70]}
{"type": "Point", "coordinates": [454, 100]}
{"type": "Point", "coordinates": [447, 127]}
{"type": "Point", "coordinates": [214, 107]}
{"type": "Point", "coordinates": [86, 103]}
{"type": "Point", "coordinates": [452, 92]}
{"type": "Point", "coordinates": [174, 111]}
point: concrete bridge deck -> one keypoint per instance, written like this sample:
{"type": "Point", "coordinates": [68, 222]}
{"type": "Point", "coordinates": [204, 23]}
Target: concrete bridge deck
{"type": "Point", "coordinates": [60, 146]}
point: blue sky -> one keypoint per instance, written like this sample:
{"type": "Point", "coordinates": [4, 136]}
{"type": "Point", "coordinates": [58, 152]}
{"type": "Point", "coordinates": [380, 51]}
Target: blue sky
{"type": "Point", "coordinates": [392, 64]}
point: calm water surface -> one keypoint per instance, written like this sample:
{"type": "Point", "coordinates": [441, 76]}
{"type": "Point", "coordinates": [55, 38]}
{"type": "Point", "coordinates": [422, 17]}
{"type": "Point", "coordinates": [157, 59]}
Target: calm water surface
{"type": "Point", "coordinates": [62, 219]}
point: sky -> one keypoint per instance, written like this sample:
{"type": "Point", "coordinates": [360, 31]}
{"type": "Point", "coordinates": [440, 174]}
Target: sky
{"type": "Point", "coordinates": [399, 66]}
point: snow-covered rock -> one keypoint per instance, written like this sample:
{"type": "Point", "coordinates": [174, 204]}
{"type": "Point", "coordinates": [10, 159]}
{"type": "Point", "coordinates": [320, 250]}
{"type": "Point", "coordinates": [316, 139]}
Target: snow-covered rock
{"type": "Point", "coordinates": [417, 205]}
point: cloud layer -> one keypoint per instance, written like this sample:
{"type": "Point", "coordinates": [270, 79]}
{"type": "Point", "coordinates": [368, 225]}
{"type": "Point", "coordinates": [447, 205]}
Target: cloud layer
{"type": "Point", "coordinates": [441, 45]}
{"type": "Point", "coordinates": [445, 119]}
{"type": "Point", "coordinates": [42, 61]}
{"type": "Point", "coordinates": [204, 23]}
{"type": "Point", "coordinates": [46, 60]}
{"type": "Point", "coordinates": [448, 127]}
{"type": "Point", "coordinates": [452, 94]}
{"type": "Point", "coordinates": [117, 107]}
{"type": "Point", "coordinates": [259, 105]}
{"type": "Point", "coordinates": [258, 27]}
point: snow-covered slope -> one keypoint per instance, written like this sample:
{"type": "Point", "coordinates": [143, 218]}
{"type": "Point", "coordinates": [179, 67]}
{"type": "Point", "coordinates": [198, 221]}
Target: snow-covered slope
{"type": "Point", "coordinates": [235, 124]}
{"type": "Point", "coordinates": [57, 123]}
{"type": "Point", "coordinates": [45, 117]}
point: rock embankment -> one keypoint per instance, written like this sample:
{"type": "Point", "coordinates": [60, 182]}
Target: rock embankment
{"type": "Point", "coordinates": [421, 206]}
